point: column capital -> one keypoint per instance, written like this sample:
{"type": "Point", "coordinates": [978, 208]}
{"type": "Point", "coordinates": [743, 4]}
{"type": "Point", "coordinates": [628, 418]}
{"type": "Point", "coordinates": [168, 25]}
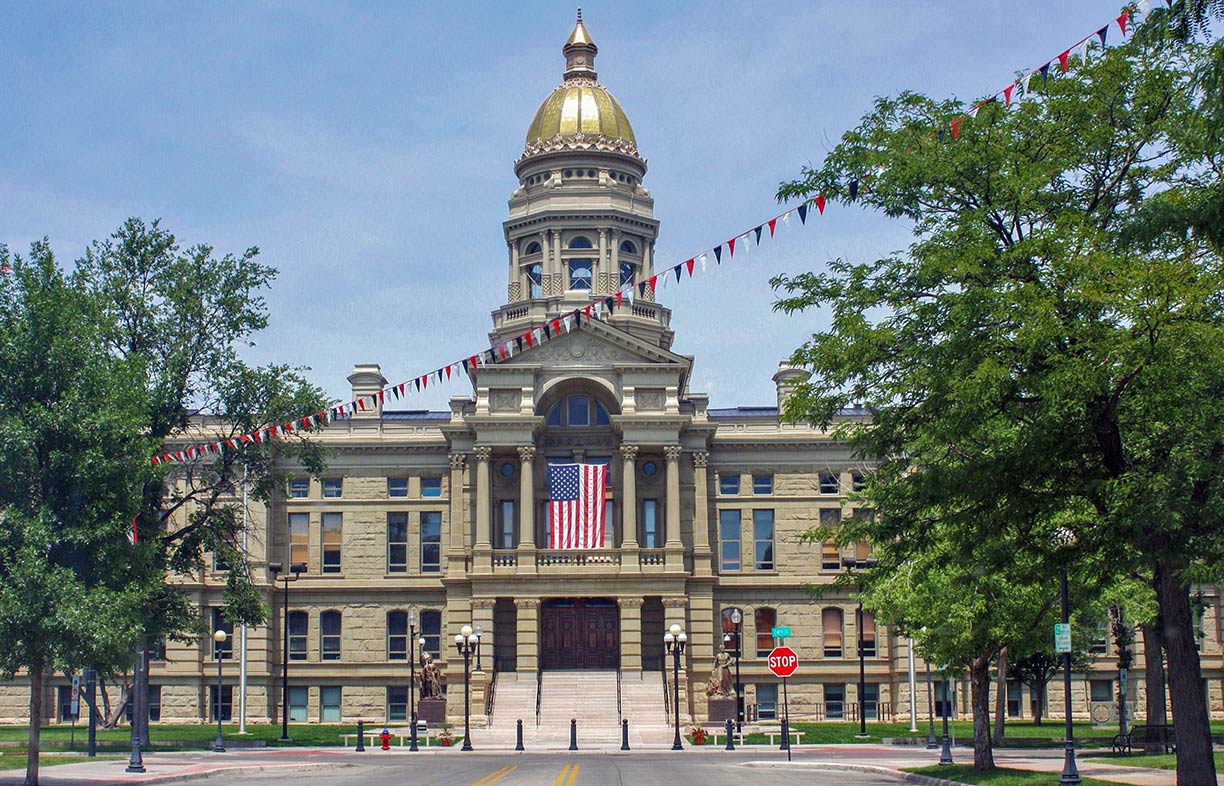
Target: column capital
{"type": "Point", "coordinates": [526, 603]}
{"type": "Point", "coordinates": [630, 603]}
{"type": "Point", "coordinates": [680, 602]}
{"type": "Point", "coordinates": [457, 460]}
{"type": "Point", "coordinates": [483, 453]}
{"type": "Point", "coordinates": [484, 603]}
{"type": "Point", "coordinates": [701, 458]}
{"type": "Point", "coordinates": [629, 452]}
{"type": "Point", "coordinates": [527, 453]}
{"type": "Point", "coordinates": [672, 452]}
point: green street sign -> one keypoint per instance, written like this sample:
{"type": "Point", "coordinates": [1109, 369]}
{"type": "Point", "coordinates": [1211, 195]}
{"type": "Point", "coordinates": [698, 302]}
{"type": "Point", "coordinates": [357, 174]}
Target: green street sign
{"type": "Point", "coordinates": [781, 633]}
{"type": "Point", "coordinates": [1062, 637]}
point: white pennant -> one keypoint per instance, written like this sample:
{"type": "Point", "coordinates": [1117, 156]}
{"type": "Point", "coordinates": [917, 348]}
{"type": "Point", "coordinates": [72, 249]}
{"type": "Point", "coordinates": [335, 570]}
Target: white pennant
{"type": "Point", "coordinates": [786, 219]}
{"type": "Point", "coordinates": [1083, 49]}
{"type": "Point", "coordinates": [1027, 79]}
{"type": "Point", "coordinates": [702, 259]}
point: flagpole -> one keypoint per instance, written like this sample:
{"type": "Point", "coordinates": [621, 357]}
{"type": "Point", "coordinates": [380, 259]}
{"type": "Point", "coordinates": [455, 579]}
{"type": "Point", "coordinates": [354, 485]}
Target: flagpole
{"type": "Point", "coordinates": [242, 651]}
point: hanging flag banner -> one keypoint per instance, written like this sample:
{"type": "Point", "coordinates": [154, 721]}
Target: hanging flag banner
{"type": "Point", "coordinates": [576, 505]}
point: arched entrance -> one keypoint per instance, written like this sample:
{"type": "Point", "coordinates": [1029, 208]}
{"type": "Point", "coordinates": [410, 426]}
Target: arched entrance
{"type": "Point", "coordinates": [579, 633]}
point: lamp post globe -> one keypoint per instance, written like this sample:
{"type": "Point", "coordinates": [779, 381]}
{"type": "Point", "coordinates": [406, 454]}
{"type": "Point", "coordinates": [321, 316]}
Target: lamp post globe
{"type": "Point", "coordinates": [219, 637]}
{"type": "Point", "coordinates": [737, 619]}
{"type": "Point", "coordinates": [674, 642]}
{"type": "Point", "coordinates": [412, 710]}
{"type": "Point", "coordinates": [465, 644]}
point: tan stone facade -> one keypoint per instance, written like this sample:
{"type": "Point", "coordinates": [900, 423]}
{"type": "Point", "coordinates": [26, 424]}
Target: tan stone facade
{"type": "Point", "coordinates": [445, 512]}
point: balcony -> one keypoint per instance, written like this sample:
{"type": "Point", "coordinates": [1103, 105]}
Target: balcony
{"type": "Point", "coordinates": [540, 310]}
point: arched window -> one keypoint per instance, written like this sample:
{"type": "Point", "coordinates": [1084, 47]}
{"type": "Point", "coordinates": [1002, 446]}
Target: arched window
{"type": "Point", "coordinates": [580, 274]}
{"type": "Point", "coordinates": [578, 411]}
{"type": "Point", "coordinates": [580, 242]}
{"type": "Point", "coordinates": [601, 415]}
{"type": "Point", "coordinates": [431, 631]}
{"type": "Point", "coordinates": [397, 635]}
{"type": "Point", "coordinates": [535, 280]}
{"type": "Point", "coordinates": [868, 634]}
{"type": "Point", "coordinates": [532, 248]}
{"type": "Point", "coordinates": [831, 621]}
{"type": "Point", "coordinates": [553, 418]}
{"type": "Point", "coordinates": [626, 273]}
{"type": "Point", "coordinates": [298, 626]}
{"type": "Point", "coordinates": [329, 635]}
{"type": "Point", "coordinates": [765, 620]}
{"type": "Point", "coordinates": [628, 247]}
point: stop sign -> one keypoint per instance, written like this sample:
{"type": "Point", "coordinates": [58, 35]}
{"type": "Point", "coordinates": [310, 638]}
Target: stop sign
{"type": "Point", "coordinates": [783, 661]}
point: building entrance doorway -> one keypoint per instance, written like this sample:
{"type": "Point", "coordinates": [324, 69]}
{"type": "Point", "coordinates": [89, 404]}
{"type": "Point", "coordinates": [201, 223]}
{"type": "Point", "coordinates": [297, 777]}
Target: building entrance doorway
{"type": "Point", "coordinates": [579, 633]}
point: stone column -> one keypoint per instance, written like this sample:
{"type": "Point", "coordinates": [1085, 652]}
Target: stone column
{"type": "Point", "coordinates": [483, 560]}
{"type": "Point", "coordinates": [482, 614]}
{"type": "Point", "coordinates": [629, 540]}
{"type": "Point", "coordinates": [603, 264]}
{"type": "Point", "coordinates": [527, 543]}
{"type": "Point", "coordinates": [630, 633]}
{"type": "Point", "coordinates": [528, 634]}
{"type": "Point", "coordinates": [674, 609]}
{"type": "Point", "coordinates": [459, 534]}
{"type": "Point", "coordinates": [558, 264]}
{"type": "Point", "coordinates": [516, 278]}
{"type": "Point", "coordinates": [701, 515]}
{"type": "Point", "coordinates": [615, 247]}
{"type": "Point", "coordinates": [673, 547]}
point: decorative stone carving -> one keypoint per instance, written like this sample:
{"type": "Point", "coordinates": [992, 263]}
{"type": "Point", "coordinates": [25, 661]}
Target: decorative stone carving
{"type": "Point", "coordinates": [581, 348]}
{"type": "Point", "coordinates": [526, 453]}
{"type": "Point", "coordinates": [458, 460]}
{"type": "Point", "coordinates": [512, 292]}
{"type": "Point", "coordinates": [680, 602]}
{"type": "Point", "coordinates": [583, 142]}
{"type": "Point", "coordinates": [650, 399]}
{"type": "Point", "coordinates": [630, 603]}
{"type": "Point", "coordinates": [577, 441]}
{"type": "Point", "coordinates": [526, 603]}
{"type": "Point", "coordinates": [672, 452]}
{"type": "Point", "coordinates": [484, 603]}
{"type": "Point", "coordinates": [505, 400]}
{"type": "Point", "coordinates": [483, 453]}
{"type": "Point", "coordinates": [629, 452]}
{"type": "Point", "coordinates": [701, 459]}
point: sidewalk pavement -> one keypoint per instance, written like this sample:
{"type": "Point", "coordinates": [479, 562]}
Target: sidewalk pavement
{"type": "Point", "coordinates": [173, 768]}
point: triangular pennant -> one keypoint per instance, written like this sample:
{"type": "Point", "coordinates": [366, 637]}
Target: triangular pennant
{"type": "Point", "coordinates": [361, 404]}
{"type": "Point", "coordinates": [1083, 50]}
{"type": "Point", "coordinates": [689, 264]}
{"type": "Point", "coordinates": [731, 247]}
{"type": "Point", "coordinates": [1025, 89]}
{"type": "Point", "coordinates": [757, 230]}
{"type": "Point", "coordinates": [773, 225]}
{"type": "Point", "coordinates": [956, 127]}
{"type": "Point", "coordinates": [518, 343]}
{"type": "Point", "coordinates": [382, 397]}
{"type": "Point", "coordinates": [1102, 33]}
{"type": "Point", "coordinates": [653, 280]}
{"type": "Point", "coordinates": [1045, 73]}
{"type": "Point", "coordinates": [587, 309]}
{"type": "Point", "coordinates": [1062, 60]}
{"type": "Point", "coordinates": [528, 337]}
{"type": "Point", "coordinates": [703, 259]}
{"type": "Point", "coordinates": [820, 203]}
{"type": "Point", "coordinates": [802, 210]}
{"type": "Point", "coordinates": [395, 391]}
{"type": "Point", "coordinates": [854, 184]}
{"type": "Point", "coordinates": [1121, 20]}
{"type": "Point", "coordinates": [1007, 93]}
{"type": "Point", "coordinates": [620, 299]}
{"type": "Point", "coordinates": [718, 254]}
{"type": "Point", "coordinates": [448, 371]}
{"type": "Point", "coordinates": [556, 326]}
{"type": "Point", "coordinates": [425, 382]}
{"type": "Point", "coordinates": [940, 135]}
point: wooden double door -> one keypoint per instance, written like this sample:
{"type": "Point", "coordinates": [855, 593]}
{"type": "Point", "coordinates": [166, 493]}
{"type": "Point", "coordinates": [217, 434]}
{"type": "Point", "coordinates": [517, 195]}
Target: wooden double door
{"type": "Point", "coordinates": [579, 633]}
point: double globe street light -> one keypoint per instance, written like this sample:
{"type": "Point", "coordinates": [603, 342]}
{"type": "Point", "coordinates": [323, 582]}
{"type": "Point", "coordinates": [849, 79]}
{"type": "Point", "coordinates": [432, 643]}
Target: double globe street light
{"type": "Point", "coordinates": [297, 569]}
{"type": "Point", "coordinates": [673, 642]}
{"type": "Point", "coordinates": [466, 643]}
{"type": "Point", "coordinates": [219, 637]}
{"type": "Point", "coordinates": [737, 619]}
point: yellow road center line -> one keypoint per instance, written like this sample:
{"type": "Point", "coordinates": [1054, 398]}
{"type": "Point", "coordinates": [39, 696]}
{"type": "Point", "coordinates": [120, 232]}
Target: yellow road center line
{"type": "Point", "coordinates": [572, 771]}
{"type": "Point", "coordinates": [495, 776]}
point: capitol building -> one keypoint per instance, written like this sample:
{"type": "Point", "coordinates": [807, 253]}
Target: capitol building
{"type": "Point", "coordinates": [428, 521]}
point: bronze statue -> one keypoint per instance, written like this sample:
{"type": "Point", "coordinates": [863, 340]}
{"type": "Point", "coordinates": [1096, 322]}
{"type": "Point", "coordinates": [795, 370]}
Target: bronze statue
{"type": "Point", "coordinates": [720, 677]}
{"type": "Point", "coordinates": [430, 678]}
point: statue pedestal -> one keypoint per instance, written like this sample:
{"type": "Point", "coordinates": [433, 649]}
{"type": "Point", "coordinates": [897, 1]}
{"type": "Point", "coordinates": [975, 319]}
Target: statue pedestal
{"type": "Point", "coordinates": [720, 709]}
{"type": "Point", "coordinates": [433, 712]}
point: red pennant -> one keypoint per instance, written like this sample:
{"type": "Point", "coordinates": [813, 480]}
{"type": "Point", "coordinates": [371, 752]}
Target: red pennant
{"type": "Point", "coordinates": [1007, 93]}
{"type": "Point", "coordinates": [556, 326]}
{"type": "Point", "coordinates": [425, 381]}
{"type": "Point", "coordinates": [731, 245]}
{"type": "Point", "coordinates": [956, 127]}
{"type": "Point", "coordinates": [361, 403]}
{"type": "Point", "coordinates": [156, 461]}
{"type": "Point", "coordinates": [820, 203]}
{"type": "Point", "coordinates": [773, 223]}
{"type": "Point", "coordinates": [689, 265]}
{"type": "Point", "coordinates": [1062, 60]}
{"type": "Point", "coordinates": [653, 279]}
{"type": "Point", "coordinates": [448, 371]}
{"type": "Point", "coordinates": [1122, 21]}
{"type": "Point", "coordinates": [587, 310]}
{"type": "Point", "coordinates": [620, 298]}
{"type": "Point", "coordinates": [247, 438]}
{"type": "Point", "coordinates": [527, 336]}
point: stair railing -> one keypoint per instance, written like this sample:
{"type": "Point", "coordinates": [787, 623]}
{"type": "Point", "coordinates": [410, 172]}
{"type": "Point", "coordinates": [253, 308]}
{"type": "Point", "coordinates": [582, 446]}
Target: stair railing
{"type": "Point", "coordinates": [666, 699]}
{"type": "Point", "coordinates": [620, 711]}
{"type": "Point", "coordinates": [490, 695]}
{"type": "Point", "coordinates": [539, 693]}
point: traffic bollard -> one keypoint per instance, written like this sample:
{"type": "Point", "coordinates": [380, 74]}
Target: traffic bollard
{"type": "Point", "coordinates": [785, 746]}
{"type": "Point", "coordinates": [573, 734]}
{"type": "Point", "coordinates": [360, 735]}
{"type": "Point", "coordinates": [518, 745]}
{"type": "Point", "coordinates": [625, 735]}
{"type": "Point", "coordinates": [730, 735]}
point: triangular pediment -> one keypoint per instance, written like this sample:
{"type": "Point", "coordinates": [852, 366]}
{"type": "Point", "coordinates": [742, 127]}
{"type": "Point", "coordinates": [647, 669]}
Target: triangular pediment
{"type": "Point", "coordinates": [595, 344]}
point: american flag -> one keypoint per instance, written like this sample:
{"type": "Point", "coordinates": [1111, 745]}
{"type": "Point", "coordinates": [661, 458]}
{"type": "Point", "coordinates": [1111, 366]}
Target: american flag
{"type": "Point", "coordinates": [576, 505]}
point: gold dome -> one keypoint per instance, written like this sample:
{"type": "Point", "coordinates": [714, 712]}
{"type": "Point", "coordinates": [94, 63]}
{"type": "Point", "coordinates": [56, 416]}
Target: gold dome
{"type": "Point", "coordinates": [580, 109]}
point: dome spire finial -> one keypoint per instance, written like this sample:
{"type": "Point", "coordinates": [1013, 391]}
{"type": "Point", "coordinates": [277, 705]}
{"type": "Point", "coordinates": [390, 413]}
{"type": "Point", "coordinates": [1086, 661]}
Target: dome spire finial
{"type": "Point", "coordinates": [579, 53]}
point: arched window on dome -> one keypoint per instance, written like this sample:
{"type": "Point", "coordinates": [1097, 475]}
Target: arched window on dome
{"type": "Point", "coordinates": [628, 247]}
{"type": "Point", "coordinates": [535, 280]}
{"type": "Point", "coordinates": [580, 242]}
{"type": "Point", "coordinates": [532, 248]}
{"type": "Point", "coordinates": [580, 274]}
{"type": "Point", "coordinates": [626, 273]}
{"type": "Point", "coordinates": [578, 411]}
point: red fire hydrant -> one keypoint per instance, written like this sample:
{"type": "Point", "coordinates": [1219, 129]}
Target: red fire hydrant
{"type": "Point", "coordinates": [386, 739]}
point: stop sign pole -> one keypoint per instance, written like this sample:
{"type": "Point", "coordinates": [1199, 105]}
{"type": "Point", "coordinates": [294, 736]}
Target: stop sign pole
{"type": "Point", "coordinates": [783, 662]}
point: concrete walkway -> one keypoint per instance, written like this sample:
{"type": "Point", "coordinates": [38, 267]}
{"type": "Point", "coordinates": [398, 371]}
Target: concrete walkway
{"type": "Point", "coordinates": [167, 768]}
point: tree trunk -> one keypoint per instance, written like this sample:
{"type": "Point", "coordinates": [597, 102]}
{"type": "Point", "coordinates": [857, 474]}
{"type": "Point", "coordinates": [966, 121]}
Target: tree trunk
{"type": "Point", "coordinates": [1001, 699]}
{"type": "Point", "coordinates": [36, 702]}
{"type": "Point", "coordinates": [979, 681]}
{"type": "Point", "coordinates": [105, 701]}
{"type": "Point", "coordinates": [112, 721]}
{"type": "Point", "coordinates": [1195, 763]}
{"type": "Point", "coordinates": [1154, 678]}
{"type": "Point", "coordinates": [1039, 694]}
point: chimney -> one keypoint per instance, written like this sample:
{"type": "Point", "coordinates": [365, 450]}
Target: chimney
{"type": "Point", "coordinates": [786, 379]}
{"type": "Point", "coordinates": [367, 380]}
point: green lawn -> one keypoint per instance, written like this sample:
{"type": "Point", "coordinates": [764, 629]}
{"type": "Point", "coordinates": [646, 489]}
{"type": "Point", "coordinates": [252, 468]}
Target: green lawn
{"type": "Point", "coordinates": [1160, 761]}
{"type": "Point", "coordinates": [192, 735]}
{"type": "Point", "coordinates": [847, 733]}
{"type": "Point", "coordinates": [963, 773]}
{"type": "Point", "coordinates": [17, 760]}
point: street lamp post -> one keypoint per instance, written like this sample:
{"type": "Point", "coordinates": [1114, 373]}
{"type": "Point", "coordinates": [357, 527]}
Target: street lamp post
{"type": "Point", "coordinates": [276, 569]}
{"type": "Point", "coordinates": [945, 751]}
{"type": "Point", "coordinates": [412, 710]}
{"type": "Point", "coordinates": [465, 643]}
{"type": "Point", "coordinates": [932, 744]}
{"type": "Point", "coordinates": [860, 564]}
{"type": "Point", "coordinates": [1070, 773]}
{"type": "Point", "coordinates": [737, 619]}
{"type": "Point", "coordinates": [219, 637]}
{"type": "Point", "coordinates": [673, 642]}
{"type": "Point", "coordinates": [479, 631]}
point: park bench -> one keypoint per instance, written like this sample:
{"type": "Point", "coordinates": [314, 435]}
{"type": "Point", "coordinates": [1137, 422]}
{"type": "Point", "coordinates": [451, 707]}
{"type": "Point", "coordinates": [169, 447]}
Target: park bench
{"type": "Point", "coordinates": [1143, 735]}
{"type": "Point", "coordinates": [716, 733]}
{"type": "Point", "coordinates": [775, 732]}
{"type": "Point", "coordinates": [373, 737]}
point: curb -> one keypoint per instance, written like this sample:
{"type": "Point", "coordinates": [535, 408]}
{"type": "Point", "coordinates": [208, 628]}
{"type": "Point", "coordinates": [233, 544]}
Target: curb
{"type": "Point", "coordinates": [904, 777]}
{"type": "Point", "coordinates": [249, 769]}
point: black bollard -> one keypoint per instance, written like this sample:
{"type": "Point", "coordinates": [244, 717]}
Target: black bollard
{"type": "Point", "coordinates": [730, 735]}
{"type": "Point", "coordinates": [573, 734]}
{"type": "Point", "coordinates": [785, 736]}
{"type": "Point", "coordinates": [625, 735]}
{"type": "Point", "coordinates": [518, 745]}
{"type": "Point", "coordinates": [361, 735]}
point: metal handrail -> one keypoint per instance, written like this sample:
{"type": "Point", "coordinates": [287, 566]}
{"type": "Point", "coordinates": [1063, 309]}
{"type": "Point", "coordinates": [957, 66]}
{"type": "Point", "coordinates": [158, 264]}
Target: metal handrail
{"type": "Point", "coordinates": [620, 712]}
{"type": "Point", "coordinates": [666, 699]}
{"type": "Point", "coordinates": [490, 695]}
{"type": "Point", "coordinates": [539, 693]}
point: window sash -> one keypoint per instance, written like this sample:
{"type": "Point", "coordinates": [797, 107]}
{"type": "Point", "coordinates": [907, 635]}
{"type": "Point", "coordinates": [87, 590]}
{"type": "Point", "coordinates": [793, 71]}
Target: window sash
{"type": "Point", "coordinates": [299, 538]}
{"type": "Point", "coordinates": [333, 488]}
{"type": "Point", "coordinates": [431, 541]}
{"type": "Point", "coordinates": [763, 539]}
{"type": "Point", "coordinates": [729, 485]}
{"type": "Point", "coordinates": [332, 535]}
{"type": "Point", "coordinates": [730, 534]}
{"type": "Point", "coordinates": [397, 542]}
{"type": "Point", "coordinates": [397, 487]}
{"type": "Point", "coordinates": [431, 487]}
{"type": "Point", "coordinates": [330, 703]}
{"type": "Point", "coordinates": [762, 485]}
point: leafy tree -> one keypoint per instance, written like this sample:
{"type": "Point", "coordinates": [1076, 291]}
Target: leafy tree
{"type": "Point", "coordinates": [1046, 357]}
{"type": "Point", "coordinates": [74, 460]}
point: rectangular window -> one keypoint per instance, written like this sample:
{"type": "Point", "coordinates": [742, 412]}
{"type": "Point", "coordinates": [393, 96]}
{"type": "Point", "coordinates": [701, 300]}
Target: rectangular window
{"type": "Point", "coordinates": [767, 701]}
{"type": "Point", "coordinates": [329, 635]}
{"type": "Point", "coordinates": [763, 622]}
{"type": "Point", "coordinates": [431, 487]}
{"type": "Point", "coordinates": [333, 488]}
{"type": "Point", "coordinates": [397, 487]}
{"type": "Point", "coordinates": [503, 538]}
{"type": "Point", "coordinates": [431, 541]}
{"type": "Point", "coordinates": [299, 488]}
{"type": "Point", "coordinates": [157, 650]}
{"type": "Point", "coordinates": [729, 539]}
{"type": "Point", "coordinates": [871, 701]}
{"type": "Point", "coordinates": [763, 539]}
{"type": "Point", "coordinates": [1100, 639]}
{"type": "Point", "coordinates": [858, 481]}
{"type": "Point", "coordinates": [579, 410]}
{"type": "Point", "coordinates": [222, 651]}
{"type": "Point", "coordinates": [332, 537]}
{"type": "Point", "coordinates": [1013, 699]}
{"type": "Point", "coordinates": [154, 703]}
{"type": "Point", "coordinates": [835, 700]}
{"type": "Point", "coordinates": [299, 538]}
{"type": "Point", "coordinates": [831, 623]}
{"type": "Point", "coordinates": [227, 702]}
{"type": "Point", "coordinates": [869, 634]}
{"type": "Point", "coordinates": [299, 623]}
{"type": "Point", "coordinates": [329, 700]}
{"type": "Point", "coordinates": [651, 535]}
{"type": "Point", "coordinates": [728, 485]}
{"type": "Point", "coordinates": [397, 635]}
{"type": "Point", "coordinates": [830, 483]}
{"type": "Point", "coordinates": [63, 695]}
{"type": "Point", "coordinates": [1101, 690]}
{"type": "Point", "coordinates": [431, 631]}
{"type": "Point", "coordinates": [219, 562]}
{"type": "Point", "coordinates": [397, 702]}
{"type": "Point", "coordinates": [762, 484]}
{"type": "Point", "coordinates": [397, 542]}
{"type": "Point", "coordinates": [830, 555]}
{"type": "Point", "coordinates": [299, 700]}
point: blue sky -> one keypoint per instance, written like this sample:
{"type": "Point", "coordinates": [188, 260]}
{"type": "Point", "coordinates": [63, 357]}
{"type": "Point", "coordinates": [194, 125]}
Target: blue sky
{"type": "Point", "coordinates": [368, 148]}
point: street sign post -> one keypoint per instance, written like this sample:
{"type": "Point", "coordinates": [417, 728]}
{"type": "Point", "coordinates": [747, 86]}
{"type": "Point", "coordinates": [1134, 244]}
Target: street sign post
{"type": "Point", "coordinates": [1062, 637]}
{"type": "Point", "coordinates": [781, 632]}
